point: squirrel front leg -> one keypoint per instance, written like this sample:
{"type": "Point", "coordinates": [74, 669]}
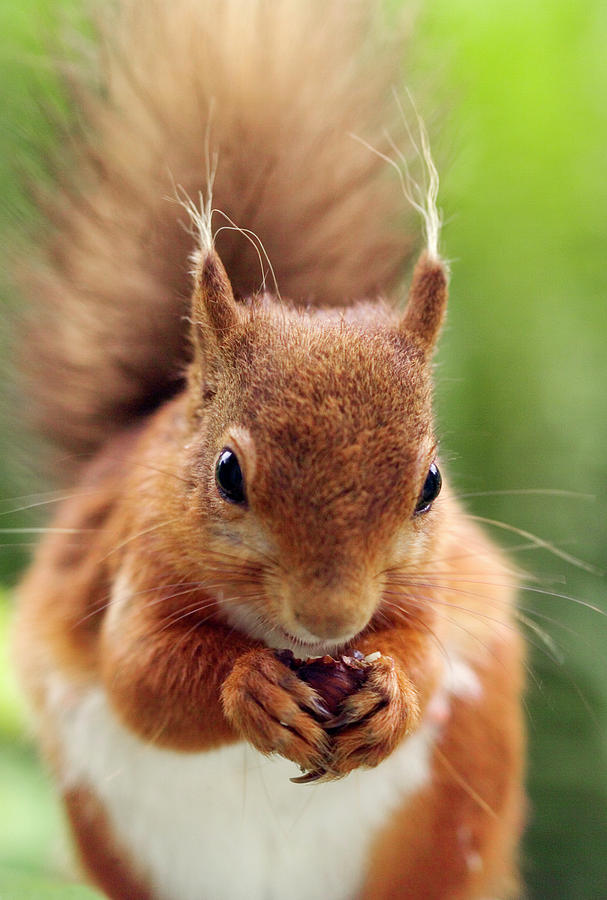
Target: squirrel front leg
{"type": "Point", "coordinates": [195, 684]}
{"type": "Point", "coordinates": [389, 705]}
{"type": "Point", "coordinates": [163, 668]}
{"type": "Point", "coordinates": [277, 712]}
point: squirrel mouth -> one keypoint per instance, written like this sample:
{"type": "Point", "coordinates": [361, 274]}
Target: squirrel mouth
{"type": "Point", "coordinates": [293, 642]}
{"type": "Point", "coordinates": [274, 635]}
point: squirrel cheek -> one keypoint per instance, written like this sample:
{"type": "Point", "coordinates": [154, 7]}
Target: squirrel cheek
{"type": "Point", "coordinates": [409, 549]}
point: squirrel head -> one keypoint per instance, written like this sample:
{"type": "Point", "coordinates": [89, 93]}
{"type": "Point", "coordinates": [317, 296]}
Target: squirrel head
{"type": "Point", "coordinates": [313, 453]}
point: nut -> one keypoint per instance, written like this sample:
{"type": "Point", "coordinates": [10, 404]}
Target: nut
{"type": "Point", "coordinates": [332, 679]}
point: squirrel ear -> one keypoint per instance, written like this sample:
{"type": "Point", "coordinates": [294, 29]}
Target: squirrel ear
{"type": "Point", "coordinates": [214, 315]}
{"type": "Point", "coordinates": [214, 312]}
{"type": "Point", "coordinates": [427, 301]}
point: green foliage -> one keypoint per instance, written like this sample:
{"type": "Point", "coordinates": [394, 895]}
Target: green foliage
{"type": "Point", "coordinates": [22, 886]}
{"type": "Point", "coordinates": [32, 102]}
{"type": "Point", "coordinates": [11, 715]}
{"type": "Point", "coordinates": [31, 823]}
{"type": "Point", "coordinates": [522, 374]}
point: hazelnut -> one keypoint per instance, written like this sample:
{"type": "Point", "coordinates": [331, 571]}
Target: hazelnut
{"type": "Point", "coordinates": [332, 679]}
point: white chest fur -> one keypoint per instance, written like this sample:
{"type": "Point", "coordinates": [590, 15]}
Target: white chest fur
{"type": "Point", "coordinates": [228, 824]}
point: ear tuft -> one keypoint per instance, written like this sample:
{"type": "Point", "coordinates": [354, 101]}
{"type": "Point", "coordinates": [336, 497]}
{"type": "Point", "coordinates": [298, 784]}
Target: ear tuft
{"type": "Point", "coordinates": [427, 301]}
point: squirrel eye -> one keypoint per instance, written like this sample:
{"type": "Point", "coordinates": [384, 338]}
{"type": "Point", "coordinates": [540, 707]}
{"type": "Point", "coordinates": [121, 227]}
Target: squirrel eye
{"type": "Point", "coordinates": [228, 477]}
{"type": "Point", "coordinates": [430, 490]}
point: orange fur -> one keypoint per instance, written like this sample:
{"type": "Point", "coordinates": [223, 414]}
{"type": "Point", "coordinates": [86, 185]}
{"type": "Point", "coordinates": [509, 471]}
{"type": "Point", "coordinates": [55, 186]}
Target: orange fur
{"type": "Point", "coordinates": [458, 839]}
{"type": "Point", "coordinates": [155, 590]}
{"type": "Point", "coordinates": [180, 82]}
{"type": "Point", "coordinates": [106, 862]}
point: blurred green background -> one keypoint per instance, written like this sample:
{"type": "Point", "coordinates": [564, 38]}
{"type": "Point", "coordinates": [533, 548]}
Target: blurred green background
{"type": "Point", "coordinates": [522, 385]}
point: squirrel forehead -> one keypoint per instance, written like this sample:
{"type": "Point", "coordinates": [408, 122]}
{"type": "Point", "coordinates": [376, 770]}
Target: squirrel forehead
{"type": "Point", "coordinates": [328, 396]}
{"type": "Point", "coordinates": [341, 437]}
{"type": "Point", "coordinates": [333, 366]}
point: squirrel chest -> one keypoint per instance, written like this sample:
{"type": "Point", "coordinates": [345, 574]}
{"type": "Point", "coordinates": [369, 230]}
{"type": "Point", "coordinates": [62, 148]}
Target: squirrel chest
{"type": "Point", "coordinates": [229, 824]}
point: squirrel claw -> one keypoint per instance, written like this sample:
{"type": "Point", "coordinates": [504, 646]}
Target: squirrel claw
{"type": "Point", "coordinates": [351, 715]}
{"type": "Point", "coordinates": [308, 777]}
{"type": "Point", "coordinates": [275, 711]}
{"type": "Point", "coordinates": [319, 709]}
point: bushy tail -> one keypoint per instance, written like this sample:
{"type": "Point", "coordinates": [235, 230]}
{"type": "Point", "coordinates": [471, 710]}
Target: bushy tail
{"type": "Point", "coordinates": [270, 90]}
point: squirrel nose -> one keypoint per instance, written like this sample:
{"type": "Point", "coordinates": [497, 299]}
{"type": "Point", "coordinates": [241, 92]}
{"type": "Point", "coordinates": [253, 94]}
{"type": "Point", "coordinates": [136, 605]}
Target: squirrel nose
{"type": "Point", "coordinates": [332, 615]}
{"type": "Point", "coordinates": [328, 627]}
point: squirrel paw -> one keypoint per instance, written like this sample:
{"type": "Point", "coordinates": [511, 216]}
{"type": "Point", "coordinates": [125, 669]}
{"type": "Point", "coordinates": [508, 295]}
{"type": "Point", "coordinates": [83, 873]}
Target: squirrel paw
{"type": "Point", "coordinates": [373, 720]}
{"type": "Point", "coordinates": [275, 711]}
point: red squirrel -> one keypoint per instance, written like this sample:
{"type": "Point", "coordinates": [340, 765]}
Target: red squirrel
{"type": "Point", "coordinates": [262, 499]}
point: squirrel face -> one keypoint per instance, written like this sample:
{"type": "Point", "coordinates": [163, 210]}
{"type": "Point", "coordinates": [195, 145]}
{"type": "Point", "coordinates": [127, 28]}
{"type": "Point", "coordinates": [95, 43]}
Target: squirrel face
{"type": "Point", "coordinates": [315, 444]}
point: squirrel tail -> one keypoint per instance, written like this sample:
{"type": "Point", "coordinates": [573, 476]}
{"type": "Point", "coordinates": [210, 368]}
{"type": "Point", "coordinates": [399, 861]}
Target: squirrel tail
{"type": "Point", "coordinates": [268, 93]}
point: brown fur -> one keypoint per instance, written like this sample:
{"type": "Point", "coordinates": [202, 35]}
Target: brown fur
{"type": "Point", "coordinates": [427, 301]}
{"type": "Point", "coordinates": [329, 413]}
{"type": "Point", "coordinates": [177, 83]}
{"type": "Point", "coordinates": [458, 838]}
{"type": "Point", "coordinates": [102, 858]}
{"type": "Point", "coordinates": [333, 426]}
